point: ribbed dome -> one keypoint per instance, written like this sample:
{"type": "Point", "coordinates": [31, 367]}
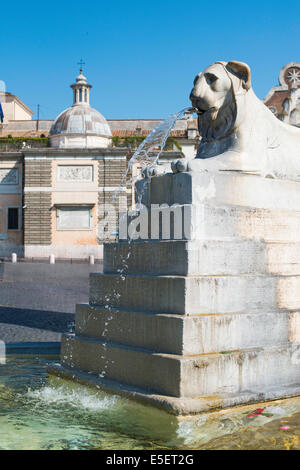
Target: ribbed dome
{"type": "Point", "coordinates": [81, 119]}
{"type": "Point", "coordinates": [80, 126]}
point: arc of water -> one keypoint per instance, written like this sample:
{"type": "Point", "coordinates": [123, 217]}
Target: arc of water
{"type": "Point", "coordinates": [148, 152]}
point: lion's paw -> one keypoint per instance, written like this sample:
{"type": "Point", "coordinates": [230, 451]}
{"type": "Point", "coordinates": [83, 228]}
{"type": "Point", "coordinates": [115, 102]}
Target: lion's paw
{"type": "Point", "coordinates": [179, 166]}
{"type": "Point", "coordinates": [154, 170]}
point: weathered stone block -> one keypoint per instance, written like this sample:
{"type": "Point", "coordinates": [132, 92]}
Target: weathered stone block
{"type": "Point", "coordinates": [188, 295]}
{"type": "Point", "coordinates": [185, 335]}
{"type": "Point", "coordinates": [223, 188]}
{"type": "Point", "coordinates": [184, 376]}
{"type": "Point", "coordinates": [205, 257]}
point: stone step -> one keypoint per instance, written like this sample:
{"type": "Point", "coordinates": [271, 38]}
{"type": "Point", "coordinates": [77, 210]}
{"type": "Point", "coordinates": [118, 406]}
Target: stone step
{"type": "Point", "coordinates": [195, 334]}
{"type": "Point", "coordinates": [195, 294]}
{"type": "Point", "coordinates": [185, 376]}
{"type": "Point", "coordinates": [175, 408]}
{"type": "Point", "coordinates": [205, 257]}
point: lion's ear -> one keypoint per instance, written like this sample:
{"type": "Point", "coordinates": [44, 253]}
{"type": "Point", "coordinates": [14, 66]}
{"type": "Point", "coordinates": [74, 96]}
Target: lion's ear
{"type": "Point", "coordinates": [242, 71]}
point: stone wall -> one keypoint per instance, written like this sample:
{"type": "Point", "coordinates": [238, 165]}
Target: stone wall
{"type": "Point", "coordinates": [37, 211]}
{"type": "Point", "coordinates": [37, 218]}
{"type": "Point", "coordinates": [110, 171]}
{"type": "Point", "coordinates": [37, 173]}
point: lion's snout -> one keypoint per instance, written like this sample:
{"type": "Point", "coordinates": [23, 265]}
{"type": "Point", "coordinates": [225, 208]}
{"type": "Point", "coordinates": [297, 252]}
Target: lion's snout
{"type": "Point", "coordinates": [199, 103]}
{"type": "Point", "coordinates": [194, 99]}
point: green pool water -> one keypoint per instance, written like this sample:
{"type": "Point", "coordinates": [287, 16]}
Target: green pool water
{"type": "Point", "coordinates": [37, 412]}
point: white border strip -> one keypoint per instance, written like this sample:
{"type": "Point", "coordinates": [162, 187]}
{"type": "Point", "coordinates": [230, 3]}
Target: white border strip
{"type": "Point", "coordinates": [39, 189]}
{"type": "Point", "coordinates": [77, 157]}
{"type": "Point", "coordinates": [111, 188]}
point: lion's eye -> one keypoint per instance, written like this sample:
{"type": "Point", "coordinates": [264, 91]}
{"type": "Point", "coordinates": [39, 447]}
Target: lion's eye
{"type": "Point", "coordinates": [210, 78]}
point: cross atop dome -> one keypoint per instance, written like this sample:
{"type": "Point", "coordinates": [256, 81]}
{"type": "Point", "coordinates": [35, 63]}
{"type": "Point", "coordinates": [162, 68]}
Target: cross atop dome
{"type": "Point", "coordinates": [81, 63]}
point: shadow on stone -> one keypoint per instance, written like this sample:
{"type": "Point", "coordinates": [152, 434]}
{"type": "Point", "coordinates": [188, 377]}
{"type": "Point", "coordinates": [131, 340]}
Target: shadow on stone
{"type": "Point", "coordinates": [45, 320]}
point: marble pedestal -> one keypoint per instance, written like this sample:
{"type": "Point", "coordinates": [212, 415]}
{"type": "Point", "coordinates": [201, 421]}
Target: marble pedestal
{"type": "Point", "coordinates": [207, 321]}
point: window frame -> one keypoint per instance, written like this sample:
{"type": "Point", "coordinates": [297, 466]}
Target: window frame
{"type": "Point", "coordinates": [19, 219]}
{"type": "Point", "coordinates": [88, 207]}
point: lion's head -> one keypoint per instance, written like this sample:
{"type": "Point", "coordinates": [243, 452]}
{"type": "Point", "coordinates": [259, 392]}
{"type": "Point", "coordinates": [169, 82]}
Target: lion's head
{"type": "Point", "coordinates": [214, 96]}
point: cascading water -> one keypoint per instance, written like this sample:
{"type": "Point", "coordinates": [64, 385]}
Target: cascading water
{"type": "Point", "coordinates": [148, 152]}
{"type": "Point", "coordinates": [146, 156]}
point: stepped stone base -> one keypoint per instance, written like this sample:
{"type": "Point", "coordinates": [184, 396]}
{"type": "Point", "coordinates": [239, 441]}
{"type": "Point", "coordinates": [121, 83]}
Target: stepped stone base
{"type": "Point", "coordinates": [185, 375]}
{"type": "Point", "coordinates": [205, 322]}
{"type": "Point", "coordinates": [172, 405]}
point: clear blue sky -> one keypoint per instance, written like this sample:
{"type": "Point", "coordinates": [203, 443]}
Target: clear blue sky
{"type": "Point", "coordinates": [141, 57]}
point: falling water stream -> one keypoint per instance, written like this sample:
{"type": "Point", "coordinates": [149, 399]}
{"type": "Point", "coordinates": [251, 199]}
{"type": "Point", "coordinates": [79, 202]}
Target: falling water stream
{"type": "Point", "coordinates": [148, 152]}
{"type": "Point", "coordinates": [146, 156]}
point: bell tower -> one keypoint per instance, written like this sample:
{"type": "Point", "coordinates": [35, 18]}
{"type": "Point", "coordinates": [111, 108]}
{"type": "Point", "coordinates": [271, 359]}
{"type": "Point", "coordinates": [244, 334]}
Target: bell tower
{"type": "Point", "coordinates": [81, 89]}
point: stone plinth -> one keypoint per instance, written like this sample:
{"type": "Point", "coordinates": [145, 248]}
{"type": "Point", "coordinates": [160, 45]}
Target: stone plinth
{"type": "Point", "coordinates": [208, 321]}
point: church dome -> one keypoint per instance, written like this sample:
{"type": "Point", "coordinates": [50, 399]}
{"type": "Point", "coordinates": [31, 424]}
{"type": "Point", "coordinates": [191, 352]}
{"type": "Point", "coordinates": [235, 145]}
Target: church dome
{"type": "Point", "coordinates": [80, 119]}
{"type": "Point", "coordinates": [80, 126]}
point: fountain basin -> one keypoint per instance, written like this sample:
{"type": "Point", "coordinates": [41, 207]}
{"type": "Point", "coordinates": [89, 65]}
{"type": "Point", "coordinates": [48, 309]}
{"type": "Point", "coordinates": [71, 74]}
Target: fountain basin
{"type": "Point", "coordinates": [37, 412]}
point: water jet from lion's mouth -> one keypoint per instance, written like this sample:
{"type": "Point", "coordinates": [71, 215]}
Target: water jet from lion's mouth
{"type": "Point", "coordinates": [200, 111]}
{"type": "Point", "coordinates": [191, 110]}
{"type": "Point", "coordinates": [148, 152]}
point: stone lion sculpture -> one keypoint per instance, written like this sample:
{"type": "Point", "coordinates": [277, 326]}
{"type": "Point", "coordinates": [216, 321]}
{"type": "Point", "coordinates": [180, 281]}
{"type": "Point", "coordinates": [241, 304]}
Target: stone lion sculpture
{"type": "Point", "coordinates": [238, 132]}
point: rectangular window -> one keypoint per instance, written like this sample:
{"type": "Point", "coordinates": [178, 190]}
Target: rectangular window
{"type": "Point", "coordinates": [74, 218]}
{"type": "Point", "coordinates": [12, 218]}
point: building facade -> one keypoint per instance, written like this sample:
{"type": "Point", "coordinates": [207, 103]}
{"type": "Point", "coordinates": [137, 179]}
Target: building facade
{"type": "Point", "coordinates": [65, 199]}
{"type": "Point", "coordinates": [57, 192]}
{"type": "Point", "coordinates": [284, 100]}
{"type": "Point", "coordinates": [66, 195]}
{"type": "Point", "coordinates": [14, 109]}
{"type": "Point", "coordinates": [11, 202]}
